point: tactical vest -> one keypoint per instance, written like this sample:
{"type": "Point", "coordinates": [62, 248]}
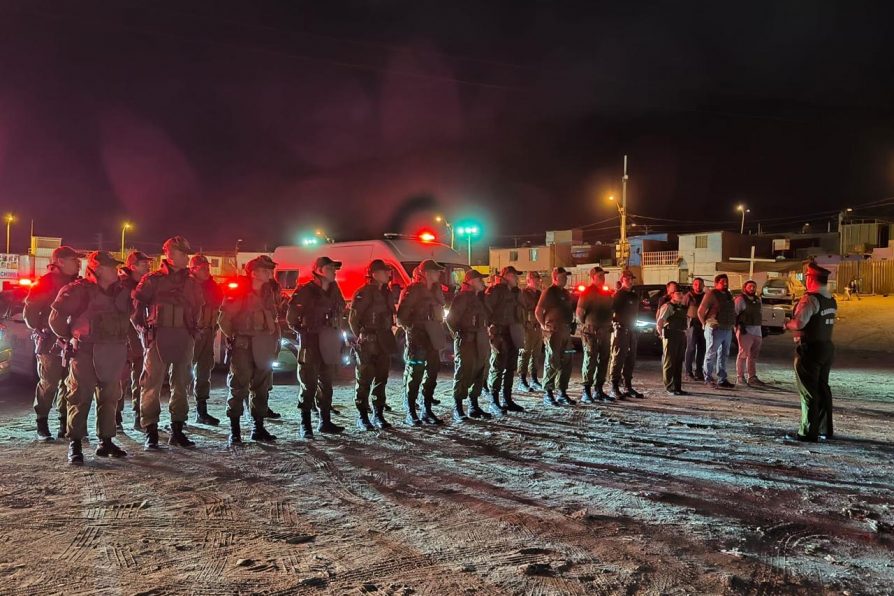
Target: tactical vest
{"type": "Point", "coordinates": [597, 307]}
{"type": "Point", "coordinates": [474, 312]}
{"type": "Point", "coordinates": [530, 298]}
{"type": "Point", "coordinates": [257, 316]}
{"type": "Point", "coordinates": [171, 305]}
{"type": "Point", "coordinates": [559, 306]}
{"type": "Point", "coordinates": [677, 317]}
{"type": "Point", "coordinates": [819, 327]}
{"type": "Point", "coordinates": [752, 315]}
{"type": "Point", "coordinates": [507, 309]}
{"type": "Point", "coordinates": [105, 319]}
{"type": "Point", "coordinates": [726, 309]}
{"type": "Point", "coordinates": [45, 292]}
{"type": "Point", "coordinates": [210, 310]}
{"type": "Point", "coordinates": [427, 306]}
{"type": "Point", "coordinates": [319, 309]}
{"type": "Point", "coordinates": [695, 300]}
{"type": "Point", "coordinates": [627, 304]}
{"type": "Point", "coordinates": [379, 315]}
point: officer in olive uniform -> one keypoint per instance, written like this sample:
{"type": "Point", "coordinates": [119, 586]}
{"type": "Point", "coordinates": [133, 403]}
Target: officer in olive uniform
{"type": "Point", "coordinates": [530, 358]}
{"type": "Point", "coordinates": [64, 267]}
{"type": "Point", "coordinates": [594, 315]}
{"type": "Point", "coordinates": [136, 265]}
{"type": "Point", "coordinates": [203, 354]}
{"type": "Point", "coordinates": [467, 320]}
{"type": "Point", "coordinates": [92, 317]}
{"type": "Point", "coordinates": [625, 307]}
{"type": "Point", "coordinates": [555, 313]}
{"type": "Point", "coordinates": [671, 323]}
{"type": "Point", "coordinates": [421, 314]}
{"type": "Point", "coordinates": [248, 319]}
{"type": "Point", "coordinates": [371, 319]}
{"type": "Point", "coordinates": [167, 303]}
{"type": "Point", "coordinates": [506, 329]}
{"type": "Point", "coordinates": [812, 323]}
{"type": "Point", "coordinates": [315, 314]}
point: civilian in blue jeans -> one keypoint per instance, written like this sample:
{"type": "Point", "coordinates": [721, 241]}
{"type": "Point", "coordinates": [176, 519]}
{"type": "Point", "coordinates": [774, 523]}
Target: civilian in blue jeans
{"type": "Point", "coordinates": [717, 313]}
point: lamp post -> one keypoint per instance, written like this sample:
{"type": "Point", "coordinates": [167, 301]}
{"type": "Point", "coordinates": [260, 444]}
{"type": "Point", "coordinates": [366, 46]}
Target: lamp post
{"type": "Point", "coordinates": [743, 209]}
{"type": "Point", "coordinates": [126, 226]}
{"type": "Point", "coordinates": [448, 225]}
{"type": "Point", "coordinates": [8, 219]}
{"type": "Point", "coordinates": [623, 247]}
{"type": "Point", "coordinates": [468, 232]}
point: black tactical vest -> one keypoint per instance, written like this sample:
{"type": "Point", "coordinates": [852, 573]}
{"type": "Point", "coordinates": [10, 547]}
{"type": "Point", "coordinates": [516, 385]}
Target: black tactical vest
{"type": "Point", "coordinates": [752, 314]}
{"type": "Point", "coordinates": [819, 327]}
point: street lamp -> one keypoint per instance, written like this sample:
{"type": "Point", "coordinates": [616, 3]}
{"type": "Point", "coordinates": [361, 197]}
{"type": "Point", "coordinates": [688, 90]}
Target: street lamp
{"type": "Point", "coordinates": [126, 226]}
{"type": "Point", "coordinates": [9, 218]}
{"type": "Point", "coordinates": [469, 232]}
{"type": "Point", "coordinates": [321, 234]}
{"type": "Point", "coordinates": [448, 225]}
{"type": "Point", "coordinates": [743, 210]}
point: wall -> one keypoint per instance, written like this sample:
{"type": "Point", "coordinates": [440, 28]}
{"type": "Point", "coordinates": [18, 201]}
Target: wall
{"type": "Point", "coordinates": [661, 274]}
{"type": "Point", "coordinates": [547, 257]}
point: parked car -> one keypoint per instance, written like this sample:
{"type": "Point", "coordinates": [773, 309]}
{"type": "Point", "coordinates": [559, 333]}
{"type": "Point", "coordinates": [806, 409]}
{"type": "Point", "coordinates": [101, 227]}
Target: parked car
{"type": "Point", "coordinates": [782, 291]}
{"type": "Point", "coordinates": [16, 346]}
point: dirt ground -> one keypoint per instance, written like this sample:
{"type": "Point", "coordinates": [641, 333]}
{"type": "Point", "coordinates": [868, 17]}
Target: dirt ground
{"type": "Point", "coordinates": [664, 495]}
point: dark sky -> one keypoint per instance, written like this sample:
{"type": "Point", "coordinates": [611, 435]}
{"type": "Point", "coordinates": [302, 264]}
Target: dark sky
{"type": "Point", "coordinates": [258, 120]}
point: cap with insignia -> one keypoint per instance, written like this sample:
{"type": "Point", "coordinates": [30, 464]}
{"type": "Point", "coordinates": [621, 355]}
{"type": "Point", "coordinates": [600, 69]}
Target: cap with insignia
{"type": "Point", "coordinates": [472, 274]}
{"type": "Point", "coordinates": [325, 262]}
{"type": "Point", "coordinates": [597, 269]}
{"type": "Point", "coordinates": [260, 262]}
{"type": "Point", "coordinates": [430, 265]}
{"type": "Point", "coordinates": [102, 258]}
{"type": "Point", "coordinates": [135, 257]}
{"type": "Point", "coordinates": [557, 270]}
{"type": "Point", "coordinates": [377, 265]}
{"type": "Point", "coordinates": [177, 243]}
{"type": "Point", "coordinates": [66, 252]}
{"type": "Point", "coordinates": [509, 269]}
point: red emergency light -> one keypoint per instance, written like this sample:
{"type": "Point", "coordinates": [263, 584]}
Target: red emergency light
{"type": "Point", "coordinates": [581, 288]}
{"type": "Point", "coordinates": [605, 288]}
{"type": "Point", "coordinates": [233, 285]}
{"type": "Point", "coordinates": [427, 236]}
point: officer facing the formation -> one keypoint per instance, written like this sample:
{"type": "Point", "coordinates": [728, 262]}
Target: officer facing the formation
{"type": "Point", "coordinates": [695, 334]}
{"type": "Point", "coordinates": [555, 313]}
{"type": "Point", "coordinates": [315, 314]}
{"type": "Point", "coordinates": [506, 329]}
{"type": "Point", "coordinates": [717, 314]}
{"type": "Point", "coordinates": [64, 267]}
{"type": "Point", "coordinates": [371, 319]}
{"type": "Point", "coordinates": [248, 319]}
{"type": "Point", "coordinates": [812, 323]}
{"type": "Point", "coordinates": [671, 324]}
{"type": "Point", "coordinates": [420, 313]}
{"type": "Point", "coordinates": [203, 354]}
{"type": "Point", "coordinates": [136, 265]}
{"type": "Point", "coordinates": [530, 358]}
{"type": "Point", "coordinates": [594, 315]}
{"type": "Point", "coordinates": [166, 310]}
{"type": "Point", "coordinates": [625, 307]}
{"type": "Point", "coordinates": [92, 317]}
{"type": "Point", "coordinates": [467, 321]}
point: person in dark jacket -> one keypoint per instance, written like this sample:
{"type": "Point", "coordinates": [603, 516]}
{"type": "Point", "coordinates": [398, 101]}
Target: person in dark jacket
{"type": "Point", "coordinates": [671, 324]}
{"type": "Point", "coordinates": [749, 334]}
{"type": "Point", "coordinates": [694, 362]}
{"type": "Point", "coordinates": [717, 314]}
{"type": "Point", "coordinates": [625, 307]}
{"type": "Point", "coordinates": [555, 313]}
{"type": "Point", "coordinates": [467, 321]}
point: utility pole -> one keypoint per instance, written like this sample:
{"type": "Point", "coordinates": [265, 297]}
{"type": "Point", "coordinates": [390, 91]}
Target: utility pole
{"type": "Point", "coordinates": [625, 249]}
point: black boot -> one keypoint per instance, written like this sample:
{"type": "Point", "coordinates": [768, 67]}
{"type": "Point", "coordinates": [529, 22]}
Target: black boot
{"type": "Point", "coordinates": [43, 430]}
{"type": "Point", "coordinates": [363, 422]}
{"type": "Point", "coordinates": [435, 402]}
{"type": "Point", "coordinates": [615, 393]}
{"type": "Point", "coordinates": [326, 426]}
{"type": "Point", "coordinates": [272, 415]}
{"type": "Point", "coordinates": [412, 418]}
{"type": "Point", "coordinates": [305, 431]}
{"type": "Point", "coordinates": [602, 395]}
{"type": "Point", "coordinates": [588, 396]}
{"type": "Point", "coordinates": [496, 408]}
{"type": "Point", "coordinates": [63, 427]}
{"type": "Point", "coordinates": [119, 422]}
{"type": "Point", "coordinates": [633, 392]}
{"type": "Point", "coordinates": [510, 405]}
{"type": "Point", "coordinates": [523, 381]}
{"type": "Point", "coordinates": [549, 399]}
{"type": "Point", "coordinates": [178, 438]}
{"type": "Point", "coordinates": [565, 399]}
{"type": "Point", "coordinates": [378, 418]}
{"type": "Point", "coordinates": [475, 410]}
{"type": "Point", "coordinates": [386, 408]}
{"type": "Point", "coordinates": [107, 448]}
{"type": "Point", "coordinates": [202, 415]}
{"type": "Point", "coordinates": [235, 432]}
{"type": "Point", "coordinates": [428, 416]}
{"type": "Point", "coordinates": [535, 384]}
{"type": "Point", "coordinates": [259, 433]}
{"type": "Point", "coordinates": [152, 436]}
{"type": "Point", "coordinates": [458, 414]}
{"type": "Point", "coordinates": [75, 453]}
{"type": "Point", "coordinates": [137, 424]}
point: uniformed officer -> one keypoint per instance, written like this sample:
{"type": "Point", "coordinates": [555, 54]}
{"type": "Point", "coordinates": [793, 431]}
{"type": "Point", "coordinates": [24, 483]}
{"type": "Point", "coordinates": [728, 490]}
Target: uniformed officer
{"type": "Point", "coordinates": [530, 358]}
{"type": "Point", "coordinates": [371, 319]}
{"type": "Point", "coordinates": [421, 314]}
{"type": "Point", "coordinates": [506, 329]}
{"type": "Point", "coordinates": [136, 265]}
{"type": "Point", "coordinates": [671, 323]}
{"type": "Point", "coordinates": [594, 315]}
{"type": "Point", "coordinates": [92, 317]}
{"type": "Point", "coordinates": [167, 303]}
{"type": "Point", "coordinates": [555, 313]}
{"type": "Point", "coordinates": [63, 269]}
{"type": "Point", "coordinates": [248, 319]}
{"type": "Point", "coordinates": [467, 320]}
{"type": "Point", "coordinates": [812, 323]}
{"type": "Point", "coordinates": [203, 353]}
{"type": "Point", "coordinates": [625, 307]}
{"type": "Point", "coordinates": [315, 314]}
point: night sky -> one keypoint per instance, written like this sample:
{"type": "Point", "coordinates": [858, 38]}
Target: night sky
{"type": "Point", "coordinates": [259, 120]}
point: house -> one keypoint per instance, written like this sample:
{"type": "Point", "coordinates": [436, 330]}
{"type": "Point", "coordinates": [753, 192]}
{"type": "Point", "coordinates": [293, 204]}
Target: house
{"type": "Point", "coordinates": [555, 252]}
{"type": "Point", "coordinates": [702, 252]}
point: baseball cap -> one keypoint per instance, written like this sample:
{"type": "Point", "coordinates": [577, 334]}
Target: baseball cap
{"type": "Point", "coordinates": [473, 274]}
{"type": "Point", "coordinates": [720, 276]}
{"type": "Point", "coordinates": [628, 273]}
{"type": "Point", "coordinates": [260, 262]}
{"type": "Point", "coordinates": [560, 270]}
{"type": "Point", "coordinates": [65, 252]}
{"type": "Point", "coordinates": [176, 242]}
{"type": "Point", "coordinates": [509, 269]}
{"type": "Point", "coordinates": [198, 261]}
{"type": "Point", "coordinates": [99, 258]}
{"type": "Point", "coordinates": [377, 265]}
{"type": "Point", "coordinates": [534, 274]}
{"type": "Point", "coordinates": [325, 262]}
{"type": "Point", "coordinates": [596, 269]}
{"type": "Point", "coordinates": [430, 265]}
{"type": "Point", "coordinates": [135, 257]}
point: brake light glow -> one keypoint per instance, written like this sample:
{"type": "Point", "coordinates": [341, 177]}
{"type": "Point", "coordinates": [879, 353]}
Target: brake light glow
{"type": "Point", "coordinates": [26, 282]}
{"type": "Point", "coordinates": [233, 285]}
{"type": "Point", "coordinates": [605, 288]}
{"type": "Point", "coordinates": [581, 288]}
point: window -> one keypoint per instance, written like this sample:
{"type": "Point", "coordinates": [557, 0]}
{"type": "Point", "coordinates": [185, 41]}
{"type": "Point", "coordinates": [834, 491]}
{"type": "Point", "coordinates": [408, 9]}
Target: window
{"type": "Point", "coordinates": [701, 241]}
{"type": "Point", "coordinates": [532, 255]}
{"type": "Point", "coordinates": [513, 256]}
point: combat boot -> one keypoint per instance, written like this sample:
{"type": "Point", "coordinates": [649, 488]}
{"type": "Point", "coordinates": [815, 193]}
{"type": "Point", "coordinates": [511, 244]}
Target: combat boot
{"type": "Point", "coordinates": [326, 426]}
{"type": "Point", "coordinates": [428, 416]}
{"type": "Point", "coordinates": [178, 438]}
{"type": "Point", "coordinates": [63, 427]}
{"type": "Point", "coordinates": [259, 433]}
{"type": "Point", "coordinates": [475, 410]}
{"type": "Point", "coordinates": [549, 399]}
{"type": "Point", "coordinates": [510, 405]}
{"type": "Point", "coordinates": [107, 448]}
{"type": "Point", "coordinates": [235, 437]}
{"type": "Point", "coordinates": [152, 436]}
{"type": "Point", "coordinates": [458, 414]}
{"type": "Point", "coordinates": [615, 393]}
{"type": "Point", "coordinates": [496, 408]}
{"type": "Point", "coordinates": [523, 381]}
{"type": "Point", "coordinates": [306, 430]}
{"type": "Point", "coordinates": [202, 415]}
{"type": "Point", "coordinates": [363, 422]}
{"type": "Point", "coordinates": [43, 430]}
{"type": "Point", "coordinates": [378, 418]}
{"type": "Point", "coordinates": [137, 424]}
{"type": "Point", "coordinates": [588, 395]}
{"type": "Point", "coordinates": [602, 395]}
{"type": "Point", "coordinates": [119, 422]}
{"type": "Point", "coordinates": [272, 415]}
{"type": "Point", "coordinates": [564, 399]}
{"type": "Point", "coordinates": [633, 392]}
{"type": "Point", "coordinates": [412, 418]}
{"type": "Point", "coordinates": [75, 453]}
{"type": "Point", "coordinates": [535, 384]}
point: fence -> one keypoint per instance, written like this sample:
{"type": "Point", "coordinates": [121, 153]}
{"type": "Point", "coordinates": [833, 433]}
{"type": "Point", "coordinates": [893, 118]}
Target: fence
{"type": "Point", "coordinates": [666, 257]}
{"type": "Point", "coordinates": [873, 277]}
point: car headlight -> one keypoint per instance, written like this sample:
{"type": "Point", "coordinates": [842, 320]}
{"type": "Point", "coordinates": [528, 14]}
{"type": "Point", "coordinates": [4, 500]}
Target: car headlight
{"type": "Point", "coordinates": [446, 312]}
{"type": "Point", "coordinates": [641, 324]}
